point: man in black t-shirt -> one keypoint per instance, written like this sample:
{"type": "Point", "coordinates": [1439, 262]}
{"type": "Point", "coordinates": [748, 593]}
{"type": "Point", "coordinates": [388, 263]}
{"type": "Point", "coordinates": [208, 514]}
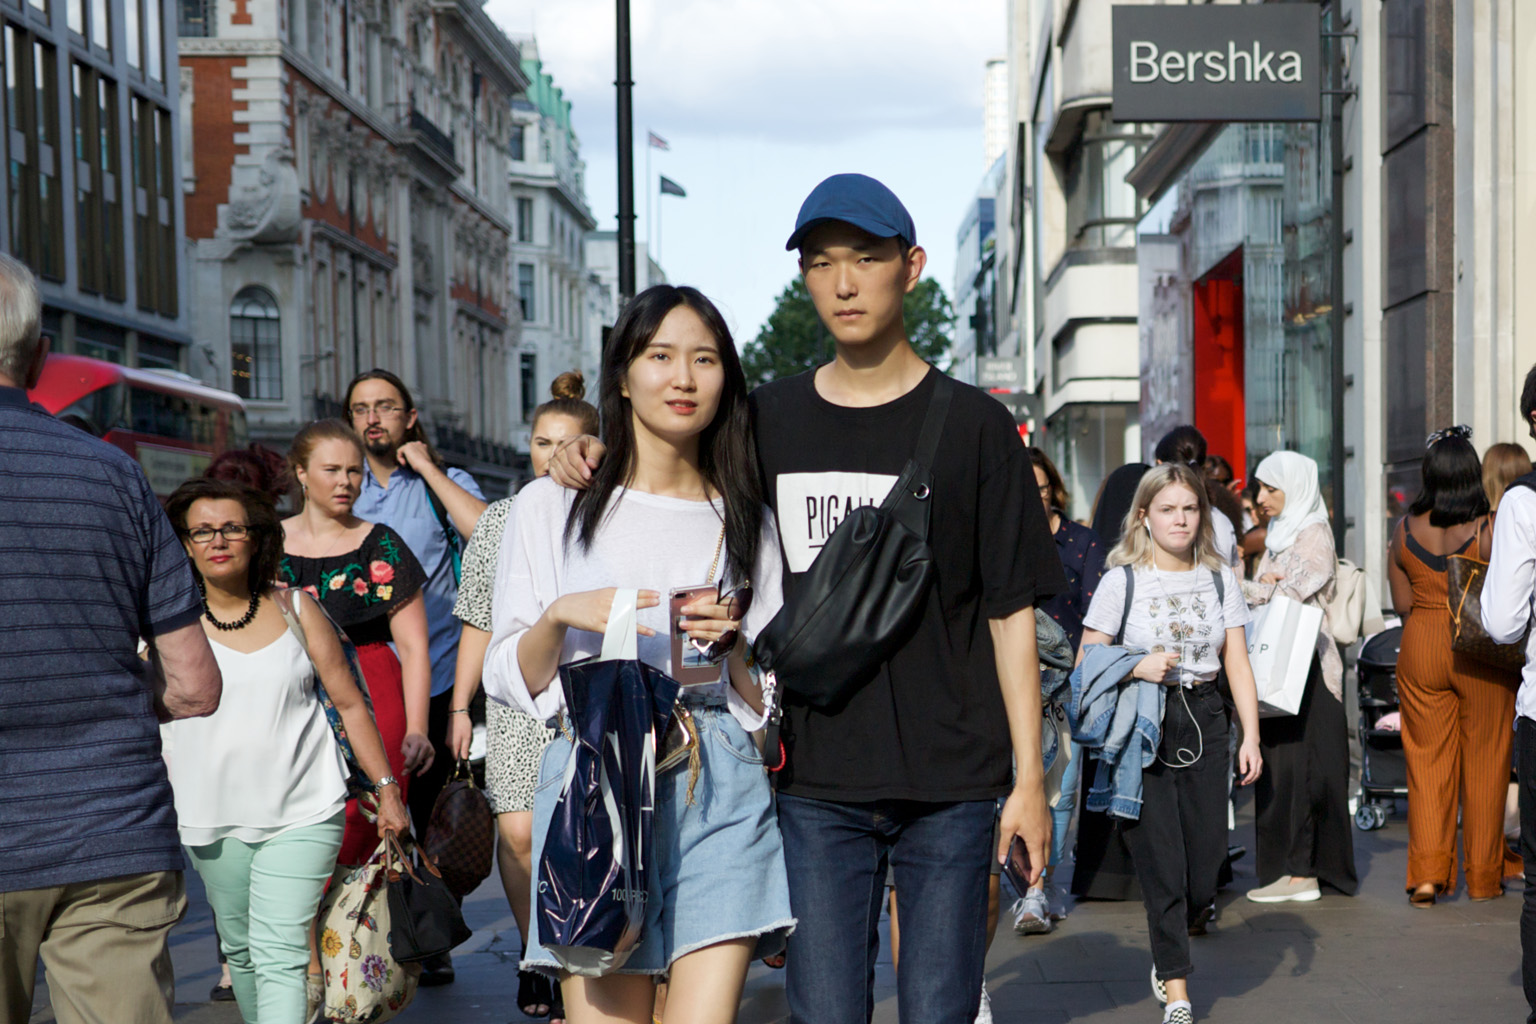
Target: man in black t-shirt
{"type": "Point", "coordinates": [909, 771]}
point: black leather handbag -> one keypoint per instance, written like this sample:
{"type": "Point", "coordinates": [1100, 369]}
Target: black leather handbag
{"type": "Point", "coordinates": [425, 920]}
{"type": "Point", "coordinates": [864, 593]}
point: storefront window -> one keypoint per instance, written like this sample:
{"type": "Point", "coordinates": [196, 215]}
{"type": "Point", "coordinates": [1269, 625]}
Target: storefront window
{"type": "Point", "coordinates": [1289, 366]}
{"type": "Point", "coordinates": [1088, 442]}
{"type": "Point", "coordinates": [1102, 207]}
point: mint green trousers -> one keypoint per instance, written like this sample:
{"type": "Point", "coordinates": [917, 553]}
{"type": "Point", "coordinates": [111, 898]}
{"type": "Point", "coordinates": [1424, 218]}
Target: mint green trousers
{"type": "Point", "coordinates": [264, 896]}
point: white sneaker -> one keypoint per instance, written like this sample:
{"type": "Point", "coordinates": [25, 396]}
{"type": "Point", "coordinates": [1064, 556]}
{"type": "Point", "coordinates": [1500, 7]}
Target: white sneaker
{"type": "Point", "coordinates": [984, 1015]}
{"type": "Point", "coordinates": [1031, 916]}
{"type": "Point", "coordinates": [1179, 1013]}
{"type": "Point", "coordinates": [1055, 901]}
{"type": "Point", "coordinates": [314, 997]}
{"type": "Point", "coordinates": [1159, 990]}
{"type": "Point", "coordinates": [1287, 889]}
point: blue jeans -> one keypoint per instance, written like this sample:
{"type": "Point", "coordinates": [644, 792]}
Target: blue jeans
{"type": "Point", "coordinates": [1061, 814]}
{"type": "Point", "coordinates": [837, 855]}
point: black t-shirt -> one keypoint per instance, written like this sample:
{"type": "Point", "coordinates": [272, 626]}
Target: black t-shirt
{"type": "Point", "coordinates": [931, 725]}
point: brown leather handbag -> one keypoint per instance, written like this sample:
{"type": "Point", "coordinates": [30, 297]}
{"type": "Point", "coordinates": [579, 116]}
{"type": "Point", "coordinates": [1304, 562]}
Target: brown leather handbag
{"type": "Point", "coordinates": [1464, 578]}
{"type": "Point", "coordinates": [461, 835]}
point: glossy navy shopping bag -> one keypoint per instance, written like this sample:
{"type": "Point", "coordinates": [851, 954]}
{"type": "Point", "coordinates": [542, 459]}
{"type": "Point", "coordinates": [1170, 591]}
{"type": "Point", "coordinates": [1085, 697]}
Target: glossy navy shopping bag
{"type": "Point", "coordinates": [595, 867]}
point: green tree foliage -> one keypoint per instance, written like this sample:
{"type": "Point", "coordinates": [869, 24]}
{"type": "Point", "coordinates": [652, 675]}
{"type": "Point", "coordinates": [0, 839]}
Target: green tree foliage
{"type": "Point", "coordinates": [794, 339]}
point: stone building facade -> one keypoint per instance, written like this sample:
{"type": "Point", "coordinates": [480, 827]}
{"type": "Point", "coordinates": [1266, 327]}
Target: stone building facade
{"type": "Point", "coordinates": [345, 169]}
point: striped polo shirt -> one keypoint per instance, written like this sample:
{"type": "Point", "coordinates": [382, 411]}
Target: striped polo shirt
{"type": "Point", "coordinates": [89, 563]}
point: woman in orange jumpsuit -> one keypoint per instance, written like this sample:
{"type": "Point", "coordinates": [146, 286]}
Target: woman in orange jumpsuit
{"type": "Point", "coordinates": [1457, 711]}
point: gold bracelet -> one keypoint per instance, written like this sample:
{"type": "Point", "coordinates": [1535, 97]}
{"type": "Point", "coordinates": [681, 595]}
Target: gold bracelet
{"type": "Point", "coordinates": [458, 711]}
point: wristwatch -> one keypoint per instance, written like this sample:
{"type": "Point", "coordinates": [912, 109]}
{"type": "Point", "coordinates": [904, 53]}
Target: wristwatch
{"type": "Point", "coordinates": [387, 780]}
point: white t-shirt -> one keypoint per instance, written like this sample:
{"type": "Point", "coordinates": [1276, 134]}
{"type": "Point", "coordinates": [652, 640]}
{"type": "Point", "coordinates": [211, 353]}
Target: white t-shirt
{"type": "Point", "coordinates": [1172, 611]}
{"type": "Point", "coordinates": [645, 542]}
{"type": "Point", "coordinates": [1224, 537]}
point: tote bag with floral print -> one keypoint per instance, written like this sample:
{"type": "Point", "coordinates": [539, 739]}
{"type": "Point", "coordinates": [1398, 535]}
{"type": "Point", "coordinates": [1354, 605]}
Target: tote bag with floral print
{"type": "Point", "coordinates": [363, 983]}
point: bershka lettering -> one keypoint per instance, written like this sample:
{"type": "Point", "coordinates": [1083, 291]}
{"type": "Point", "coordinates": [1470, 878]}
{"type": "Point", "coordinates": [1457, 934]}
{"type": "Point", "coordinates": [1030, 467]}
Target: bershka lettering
{"type": "Point", "coordinates": [1149, 63]}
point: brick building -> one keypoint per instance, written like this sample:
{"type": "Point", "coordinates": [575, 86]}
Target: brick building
{"type": "Point", "coordinates": [345, 169]}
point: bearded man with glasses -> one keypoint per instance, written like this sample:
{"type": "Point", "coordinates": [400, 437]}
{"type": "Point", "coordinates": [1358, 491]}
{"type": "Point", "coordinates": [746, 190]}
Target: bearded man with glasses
{"type": "Point", "coordinates": [434, 508]}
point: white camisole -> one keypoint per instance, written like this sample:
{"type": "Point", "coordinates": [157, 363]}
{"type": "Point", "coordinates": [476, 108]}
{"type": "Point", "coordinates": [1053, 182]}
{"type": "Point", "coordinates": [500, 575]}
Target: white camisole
{"type": "Point", "coordinates": [265, 761]}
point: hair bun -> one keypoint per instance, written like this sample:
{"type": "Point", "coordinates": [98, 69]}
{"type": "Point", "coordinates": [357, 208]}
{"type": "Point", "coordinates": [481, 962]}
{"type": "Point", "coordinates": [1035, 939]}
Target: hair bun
{"type": "Point", "coordinates": [569, 386]}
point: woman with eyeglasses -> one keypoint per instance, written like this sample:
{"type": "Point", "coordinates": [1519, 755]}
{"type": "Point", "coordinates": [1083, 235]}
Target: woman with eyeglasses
{"type": "Point", "coordinates": [365, 576]}
{"type": "Point", "coordinates": [260, 784]}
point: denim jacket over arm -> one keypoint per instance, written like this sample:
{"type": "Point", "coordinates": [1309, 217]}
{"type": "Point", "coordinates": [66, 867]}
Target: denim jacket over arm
{"type": "Point", "coordinates": [1120, 719]}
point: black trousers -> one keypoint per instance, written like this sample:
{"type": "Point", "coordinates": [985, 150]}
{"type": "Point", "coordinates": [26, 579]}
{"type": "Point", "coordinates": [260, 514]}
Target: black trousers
{"type": "Point", "coordinates": [1180, 841]}
{"type": "Point", "coordinates": [426, 787]}
{"type": "Point", "coordinates": [1301, 801]}
{"type": "Point", "coordinates": [1525, 767]}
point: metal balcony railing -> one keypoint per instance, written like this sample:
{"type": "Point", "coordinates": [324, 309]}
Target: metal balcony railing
{"type": "Point", "coordinates": [432, 135]}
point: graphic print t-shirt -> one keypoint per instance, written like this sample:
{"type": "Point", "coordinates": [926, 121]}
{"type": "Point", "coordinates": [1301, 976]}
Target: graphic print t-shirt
{"type": "Point", "coordinates": [931, 724]}
{"type": "Point", "coordinates": [1172, 611]}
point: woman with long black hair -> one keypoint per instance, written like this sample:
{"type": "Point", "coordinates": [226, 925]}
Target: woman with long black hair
{"type": "Point", "coordinates": [1456, 709]}
{"type": "Point", "coordinates": [675, 503]}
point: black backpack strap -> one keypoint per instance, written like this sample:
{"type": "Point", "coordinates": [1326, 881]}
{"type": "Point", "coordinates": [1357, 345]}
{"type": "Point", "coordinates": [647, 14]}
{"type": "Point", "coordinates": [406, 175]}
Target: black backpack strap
{"type": "Point", "coordinates": [933, 422]}
{"type": "Point", "coordinates": [1221, 588]}
{"type": "Point", "coordinates": [451, 535]}
{"type": "Point", "coordinates": [1130, 595]}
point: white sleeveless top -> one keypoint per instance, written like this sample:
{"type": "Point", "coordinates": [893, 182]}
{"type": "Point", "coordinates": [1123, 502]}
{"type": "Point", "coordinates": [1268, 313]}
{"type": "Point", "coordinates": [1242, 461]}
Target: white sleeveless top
{"type": "Point", "coordinates": [266, 760]}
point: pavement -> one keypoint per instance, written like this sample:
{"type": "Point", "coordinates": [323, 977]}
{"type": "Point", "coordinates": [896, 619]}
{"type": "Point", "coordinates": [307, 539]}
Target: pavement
{"type": "Point", "coordinates": [1370, 959]}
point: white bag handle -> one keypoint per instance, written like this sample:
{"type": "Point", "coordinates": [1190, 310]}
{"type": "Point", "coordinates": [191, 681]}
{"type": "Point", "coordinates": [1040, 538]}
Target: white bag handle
{"type": "Point", "coordinates": [619, 639]}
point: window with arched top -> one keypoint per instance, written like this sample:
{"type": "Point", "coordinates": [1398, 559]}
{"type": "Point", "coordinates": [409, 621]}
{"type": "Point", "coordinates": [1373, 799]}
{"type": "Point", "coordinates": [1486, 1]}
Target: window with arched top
{"type": "Point", "coordinates": [255, 345]}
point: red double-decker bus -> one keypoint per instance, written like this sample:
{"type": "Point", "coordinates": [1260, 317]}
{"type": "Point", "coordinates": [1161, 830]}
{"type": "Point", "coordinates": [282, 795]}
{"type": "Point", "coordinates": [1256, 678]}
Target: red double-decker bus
{"type": "Point", "coordinates": [172, 424]}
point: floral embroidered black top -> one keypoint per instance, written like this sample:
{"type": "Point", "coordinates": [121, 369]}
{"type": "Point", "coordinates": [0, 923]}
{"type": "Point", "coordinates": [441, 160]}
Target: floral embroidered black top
{"type": "Point", "coordinates": [359, 588]}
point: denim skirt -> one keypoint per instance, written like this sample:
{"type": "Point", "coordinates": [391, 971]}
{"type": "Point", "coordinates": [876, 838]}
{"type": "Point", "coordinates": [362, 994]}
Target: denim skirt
{"type": "Point", "coordinates": [719, 869]}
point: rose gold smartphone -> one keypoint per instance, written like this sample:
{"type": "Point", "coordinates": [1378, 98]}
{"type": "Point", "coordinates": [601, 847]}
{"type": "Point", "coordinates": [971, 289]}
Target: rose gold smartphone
{"type": "Point", "coordinates": [690, 666]}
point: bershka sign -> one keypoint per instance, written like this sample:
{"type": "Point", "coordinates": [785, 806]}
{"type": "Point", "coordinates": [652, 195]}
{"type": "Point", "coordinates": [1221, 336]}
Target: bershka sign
{"type": "Point", "coordinates": [1226, 62]}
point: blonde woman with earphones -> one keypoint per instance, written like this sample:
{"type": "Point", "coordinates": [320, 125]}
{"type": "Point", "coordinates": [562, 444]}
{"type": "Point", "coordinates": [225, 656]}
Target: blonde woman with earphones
{"type": "Point", "coordinates": [1166, 591]}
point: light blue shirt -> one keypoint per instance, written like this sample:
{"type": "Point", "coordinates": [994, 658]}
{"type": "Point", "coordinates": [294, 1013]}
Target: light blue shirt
{"type": "Point", "coordinates": [404, 507]}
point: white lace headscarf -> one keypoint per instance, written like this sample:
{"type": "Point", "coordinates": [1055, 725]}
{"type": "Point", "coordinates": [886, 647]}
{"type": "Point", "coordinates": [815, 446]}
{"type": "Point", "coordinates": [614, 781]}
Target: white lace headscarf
{"type": "Point", "coordinates": [1295, 476]}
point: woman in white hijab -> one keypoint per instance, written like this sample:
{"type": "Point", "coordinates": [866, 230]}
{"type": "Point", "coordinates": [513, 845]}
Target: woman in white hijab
{"type": "Point", "coordinates": [1301, 802]}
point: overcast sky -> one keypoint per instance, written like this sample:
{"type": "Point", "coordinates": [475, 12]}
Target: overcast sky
{"type": "Point", "coordinates": [760, 100]}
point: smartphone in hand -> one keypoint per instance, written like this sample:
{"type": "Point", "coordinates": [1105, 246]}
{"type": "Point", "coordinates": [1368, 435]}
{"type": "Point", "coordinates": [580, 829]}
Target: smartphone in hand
{"type": "Point", "coordinates": [1016, 867]}
{"type": "Point", "coordinates": [690, 666]}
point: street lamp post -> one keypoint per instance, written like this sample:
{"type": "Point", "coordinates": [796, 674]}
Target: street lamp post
{"type": "Point", "coordinates": [626, 160]}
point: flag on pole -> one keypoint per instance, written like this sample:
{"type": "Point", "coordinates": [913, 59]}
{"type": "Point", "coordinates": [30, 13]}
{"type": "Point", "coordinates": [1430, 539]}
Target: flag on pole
{"type": "Point", "coordinates": [671, 188]}
{"type": "Point", "coordinates": [656, 141]}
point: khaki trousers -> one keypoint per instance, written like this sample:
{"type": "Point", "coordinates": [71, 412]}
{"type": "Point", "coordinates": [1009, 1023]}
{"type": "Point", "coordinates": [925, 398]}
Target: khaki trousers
{"type": "Point", "coordinates": [103, 945]}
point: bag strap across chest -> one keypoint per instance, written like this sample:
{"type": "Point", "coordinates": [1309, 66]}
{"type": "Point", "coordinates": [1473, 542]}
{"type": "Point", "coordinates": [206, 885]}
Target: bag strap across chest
{"type": "Point", "coordinates": [1130, 595]}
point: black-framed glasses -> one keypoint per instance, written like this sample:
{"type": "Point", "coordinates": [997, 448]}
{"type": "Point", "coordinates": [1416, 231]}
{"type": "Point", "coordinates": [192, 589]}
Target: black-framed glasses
{"type": "Point", "coordinates": [229, 531]}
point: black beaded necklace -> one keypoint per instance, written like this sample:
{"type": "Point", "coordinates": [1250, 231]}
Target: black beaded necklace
{"type": "Point", "coordinates": [229, 627]}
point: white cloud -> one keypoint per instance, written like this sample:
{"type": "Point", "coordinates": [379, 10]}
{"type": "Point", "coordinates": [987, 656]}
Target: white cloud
{"type": "Point", "coordinates": [763, 98]}
{"type": "Point", "coordinates": [812, 68]}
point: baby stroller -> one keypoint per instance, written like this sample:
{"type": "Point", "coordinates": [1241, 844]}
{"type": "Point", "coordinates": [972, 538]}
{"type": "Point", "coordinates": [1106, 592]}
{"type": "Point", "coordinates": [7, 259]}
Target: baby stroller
{"type": "Point", "coordinates": [1383, 771]}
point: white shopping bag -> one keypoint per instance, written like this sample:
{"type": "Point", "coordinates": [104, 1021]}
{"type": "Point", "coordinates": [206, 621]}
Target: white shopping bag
{"type": "Point", "coordinates": [1282, 639]}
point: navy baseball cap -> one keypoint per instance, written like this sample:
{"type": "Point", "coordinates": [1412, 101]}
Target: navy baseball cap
{"type": "Point", "coordinates": [855, 199]}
